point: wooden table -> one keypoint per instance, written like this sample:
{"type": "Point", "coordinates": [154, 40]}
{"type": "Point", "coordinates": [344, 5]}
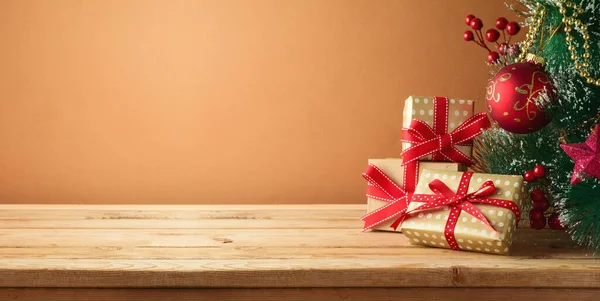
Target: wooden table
{"type": "Point", "coordinates": [269, 252]}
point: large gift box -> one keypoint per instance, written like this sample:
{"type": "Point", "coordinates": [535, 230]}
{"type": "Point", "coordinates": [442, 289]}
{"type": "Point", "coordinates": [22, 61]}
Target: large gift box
{"type": "Point", "coordinates": [464, 211]}
{"type": "Point", "coordinates": [427, 119]}
{"type": "Point", "coordinates": [386, 190]}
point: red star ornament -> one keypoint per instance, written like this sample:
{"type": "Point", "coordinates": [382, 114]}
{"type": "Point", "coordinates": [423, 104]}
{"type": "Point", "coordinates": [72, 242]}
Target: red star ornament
{"type": "Point", "coordinates": [586, 156]}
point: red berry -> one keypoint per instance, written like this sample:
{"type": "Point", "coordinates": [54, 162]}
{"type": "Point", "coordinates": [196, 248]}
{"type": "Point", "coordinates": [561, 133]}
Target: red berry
{"type": "Point", "coordinates": [529, 176]}
{"type": "Point", "coordinates": [539, 171]}
{"type": "Point", "coordinates": [537, 220]}
{"type": "Point", "coordinates": [537, 195]}
{"type": "Point", "coordinates": [536, 215]}
{"type": "Point", "coordinates": [512, 28]}
{"type": "Point", "coordinates": [542, 205]}
{"type": "Point", "coordinates": [468, 35]}
{"type": "Point", "coordinates": [492, 35]}
{"type": "Point", "coordinates": [476, 24]}
{"type": "Point", "coordinates": [493, 57]}
{"type": "Point", "coordinates": [501, 23]}
{"type": "Point", "coordinates": [555, 223]}
{"type": "Point", "coordinates": [502, 48]}
{"type": "Point", "coordinates": [538, 225]}
{"type": "Point", "coordinates": [468, 19]}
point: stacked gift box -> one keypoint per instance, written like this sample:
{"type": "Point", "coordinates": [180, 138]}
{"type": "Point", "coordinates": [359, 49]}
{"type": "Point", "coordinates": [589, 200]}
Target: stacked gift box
{"type": "Point", "coordinates": [429, 195]}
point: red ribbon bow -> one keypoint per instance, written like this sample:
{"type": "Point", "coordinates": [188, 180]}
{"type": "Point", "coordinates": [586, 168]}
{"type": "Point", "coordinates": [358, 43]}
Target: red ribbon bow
{"type": "Point", "coordinates": [381, 187]}
{"type": "Point", "coordinates": [436, 141]}
{"type": "Point", "coordinates": [461, 200]}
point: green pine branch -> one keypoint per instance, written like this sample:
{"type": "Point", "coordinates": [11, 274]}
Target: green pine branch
{"type": "Point", "coordinates": [573, 112]}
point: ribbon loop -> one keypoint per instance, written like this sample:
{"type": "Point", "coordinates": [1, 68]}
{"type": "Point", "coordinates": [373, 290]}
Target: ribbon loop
{"type": "Point", "coordinates": [440, 188]}
{"type": "Point", "coordinates": [437, 141]}
{"type": "Point", "coordinates": [487, 188]}
{"type": "Point", "coordinates": [381, 187]}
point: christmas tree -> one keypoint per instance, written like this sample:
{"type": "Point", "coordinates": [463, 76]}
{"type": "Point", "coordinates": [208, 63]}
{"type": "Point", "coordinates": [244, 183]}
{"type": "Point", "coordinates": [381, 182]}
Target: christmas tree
{"type": "Point", "coordinates": [546, 106]}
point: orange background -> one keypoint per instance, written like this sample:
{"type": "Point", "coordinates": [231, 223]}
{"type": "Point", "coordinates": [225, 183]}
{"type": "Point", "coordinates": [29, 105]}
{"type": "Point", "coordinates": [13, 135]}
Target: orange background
{"type": "Point", "coordinates": [222, 101]}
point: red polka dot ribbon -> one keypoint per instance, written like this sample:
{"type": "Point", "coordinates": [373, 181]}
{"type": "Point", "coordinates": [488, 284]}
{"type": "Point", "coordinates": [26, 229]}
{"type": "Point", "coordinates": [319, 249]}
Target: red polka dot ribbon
{"type": "Point", "coordinates": [381, 187]}
{"type": "Point", "coordinates": [461, 200]}
{"type": "Point", "coordinates": [436, 141]}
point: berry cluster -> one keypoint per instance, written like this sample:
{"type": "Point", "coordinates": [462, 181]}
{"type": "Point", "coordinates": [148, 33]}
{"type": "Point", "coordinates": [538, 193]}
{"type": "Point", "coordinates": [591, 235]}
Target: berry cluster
{"type": "Point", "coordinates": [493, 35]}
{"type": "Point", "coordinates": [538, 172]}
{"type": "Point", "coordinates": [537, 215]}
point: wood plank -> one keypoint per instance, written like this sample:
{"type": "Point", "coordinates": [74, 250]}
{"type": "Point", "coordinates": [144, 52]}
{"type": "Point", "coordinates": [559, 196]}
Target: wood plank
{"type": "Point", "coordinates": [283, 213]}
{"type": "Point", "coordinates": [12, 216]}
{"type": "Point", "coordinates": [198, 238]}
{"type": "Point", "coordinates": [223, 252]}
{"type": "Point", "coordinates": [123, 223]}
{"type": "Point", "coordinates": [216, 237]}
{"type": "Point", "coordinates": [159, 253]}
{"type": "Point", "coordinates": [545, 244]}
{"type": "Point", "coordinates": [315, 294]}
{"type": "Point", "coordinates": [264, 207]}
{"type": "Point", "coordinates": [497, 271]}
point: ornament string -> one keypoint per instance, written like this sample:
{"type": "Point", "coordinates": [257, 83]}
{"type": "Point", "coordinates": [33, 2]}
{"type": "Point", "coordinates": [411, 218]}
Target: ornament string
{"type": "Point", "coordinates": [552, 35]}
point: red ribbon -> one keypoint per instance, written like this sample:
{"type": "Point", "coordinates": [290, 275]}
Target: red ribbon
{"type": "Point", "coordinates": [461, 200]}
{"type": "Point", "coordinates": [436, 141]}
{"type": "Point", "coordinates": [381, 187]}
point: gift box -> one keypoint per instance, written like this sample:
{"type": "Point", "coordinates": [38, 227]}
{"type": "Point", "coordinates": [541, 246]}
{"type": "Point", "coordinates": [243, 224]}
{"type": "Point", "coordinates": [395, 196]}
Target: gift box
{"type": "Point", "coordinates": [386, 184]}
{"type": "Point", "coordinates": [442, 116]}
{"type": "Point", "coordinates": [464, 211]}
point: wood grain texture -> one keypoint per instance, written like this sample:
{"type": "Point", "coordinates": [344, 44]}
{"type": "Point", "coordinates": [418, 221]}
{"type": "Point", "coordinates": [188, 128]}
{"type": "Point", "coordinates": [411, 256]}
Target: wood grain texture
{"type": "Point", "coordinates": [267, 246]}
{"type": "Point", "coordinates": [291, 294]}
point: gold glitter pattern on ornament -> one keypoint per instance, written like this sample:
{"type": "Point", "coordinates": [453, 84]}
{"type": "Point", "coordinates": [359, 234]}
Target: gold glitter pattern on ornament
{"type": "Point", "coordinates": [532, 95]}
{"type": "Point", "coordinates": [491, 88]}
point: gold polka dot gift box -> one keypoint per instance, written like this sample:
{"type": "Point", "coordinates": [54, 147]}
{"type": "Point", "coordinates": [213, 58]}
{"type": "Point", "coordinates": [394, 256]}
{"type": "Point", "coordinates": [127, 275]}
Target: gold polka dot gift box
{"type": "Point", "coordinates": [442, 115]}
{"type": "Point", "coordinates": [464, 211]}
{"type": "Point", "coordinates": [387, 199]}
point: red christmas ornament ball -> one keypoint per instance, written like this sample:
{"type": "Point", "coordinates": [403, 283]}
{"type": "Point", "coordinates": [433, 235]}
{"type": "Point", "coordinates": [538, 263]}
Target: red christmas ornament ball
{"type": "Point", "coordinates": [476, 24]}
{"type": "Point", "coordinates": [555, 223]}
{"type": "Point", "coordinates": [468, 19]}
{"type": "Point", "coordinates": [529, 177]}
{"type": "Point", "coordinates": [501, 23]}
{"type": "Point", "coordinates": [537, 195]}
{"type": "Point", "coordinates": [492, 35]}
{"type": "Point", "coordinates": [539, 171]}
{"type": "Point", "coordinates": [468, 35]}
{"type": "Point", "coordinates": [493, 57]}
{"type": "Point", "coordinates": [513, 95]}
{"type": "Point", "coordinates": [513, 28]}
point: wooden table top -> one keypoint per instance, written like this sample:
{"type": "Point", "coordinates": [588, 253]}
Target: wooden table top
{"type": "Point", "coordinates": [266, 246]}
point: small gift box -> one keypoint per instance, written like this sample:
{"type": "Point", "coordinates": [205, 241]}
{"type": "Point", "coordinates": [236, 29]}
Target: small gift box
{"type": "Point", "coordinates": [388, 184]}
{"type": "Point", "coordinates": [440, 129]}
{"type": "Point", "coordinates": [464, 211]}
